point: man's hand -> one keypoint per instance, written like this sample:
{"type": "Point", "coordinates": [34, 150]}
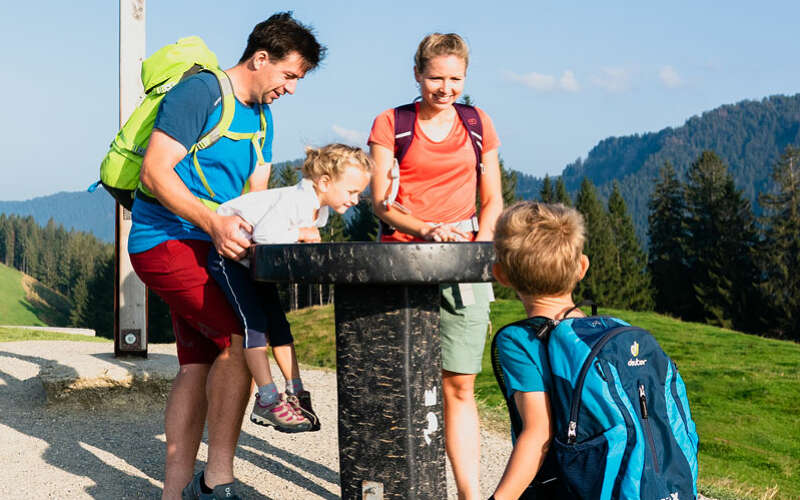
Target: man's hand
{"type": "Point", "coordinates": [226, 234]}
{"type": "Point", "coordinates": [309, 235]}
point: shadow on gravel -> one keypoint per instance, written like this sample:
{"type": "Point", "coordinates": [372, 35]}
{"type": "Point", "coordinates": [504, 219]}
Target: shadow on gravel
{"type": "Point", "coordinates": [259, 452]}
{"type": "Point", "coordinates": [114, 437]}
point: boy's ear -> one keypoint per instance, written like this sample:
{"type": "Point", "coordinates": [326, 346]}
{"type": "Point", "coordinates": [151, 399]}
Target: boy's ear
{"type": "Point", "coordinates": [500, 274]}
{"type": "Point", "coordinates": [584, 266]}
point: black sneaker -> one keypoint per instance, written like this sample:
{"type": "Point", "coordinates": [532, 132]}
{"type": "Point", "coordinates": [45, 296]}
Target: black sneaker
{"type": "Point", "coordinates": [193, 490]}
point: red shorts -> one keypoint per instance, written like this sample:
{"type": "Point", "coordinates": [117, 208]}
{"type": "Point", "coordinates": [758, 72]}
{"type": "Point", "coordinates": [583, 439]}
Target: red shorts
{"type": "Point", "coordinates": [202, 318]}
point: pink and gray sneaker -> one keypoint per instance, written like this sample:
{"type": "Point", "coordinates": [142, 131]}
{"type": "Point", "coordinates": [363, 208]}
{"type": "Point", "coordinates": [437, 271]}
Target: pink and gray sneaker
{"type": "Point", "coordinates": [280, 415]}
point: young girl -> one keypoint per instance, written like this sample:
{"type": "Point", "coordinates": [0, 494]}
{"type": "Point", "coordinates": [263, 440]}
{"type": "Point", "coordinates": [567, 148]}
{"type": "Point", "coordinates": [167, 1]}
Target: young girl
{"type": "Point", "coordinates": [333, 176]}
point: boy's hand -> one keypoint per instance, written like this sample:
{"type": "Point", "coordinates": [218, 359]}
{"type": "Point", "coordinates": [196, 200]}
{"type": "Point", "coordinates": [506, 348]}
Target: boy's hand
{"type": "Point", "coordinates": [309, 235]}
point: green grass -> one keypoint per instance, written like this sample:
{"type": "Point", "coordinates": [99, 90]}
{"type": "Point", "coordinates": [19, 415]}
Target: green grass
{"type": "Point", "coordinates": [15, 308]}
{"type": "Point", "coordinates": [744, 391]}
{"type": "Point", "coordinates": [39, 307]}
{"type": "Point", "coordinates": [16, 334]}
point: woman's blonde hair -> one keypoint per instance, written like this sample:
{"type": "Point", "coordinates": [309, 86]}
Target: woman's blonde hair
{"type": "Point", "coordinates": [539, 246]}
{"type": "Point", "coordinates": [333, 159]}
{"type": "Point", "coordinates": [438, 44]}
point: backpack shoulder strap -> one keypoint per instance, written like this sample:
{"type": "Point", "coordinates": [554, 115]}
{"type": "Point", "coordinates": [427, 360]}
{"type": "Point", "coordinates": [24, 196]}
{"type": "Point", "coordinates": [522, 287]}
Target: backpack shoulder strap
{"type": "Point", "coordinates": [404, 118]}
{"type": "Point", "coordinates": [226, 117]}
{"type": "Point", "coordinates": [222, 127]}
{"type": "Point", "coordinates": [581, 304]}
{"type": "Point", "coordinates": [472, 122]}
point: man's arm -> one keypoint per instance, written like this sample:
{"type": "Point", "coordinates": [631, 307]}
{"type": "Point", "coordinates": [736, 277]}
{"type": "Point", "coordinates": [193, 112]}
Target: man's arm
{"type": "Point", "coordinates": [531, 447]}
{"type": "Point", "coordinates": [159, 177]}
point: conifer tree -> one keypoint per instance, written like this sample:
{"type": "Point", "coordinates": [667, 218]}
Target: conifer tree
{"type": "Point", "coordinates": [101, 298]}
{"type": "Point", "coordinates": [288, 176]}
{"type": "Point", "coordinates": [779, 260]}
{"type": "Point", "coordinates": [723, 240]}
{"type": "Point", "coordinates": [508, 182]}
{"type": "Point", "coordinates": [668, 241]}
{"type": "Point", "coordinates": [598, 284]}
{"type": "Point", "coordinates": [562, 196]}
{"type": "Point", "coordinates": [334, 230]}
{"type": "Point", "coordinates": [362, 225]}
{"type": "Point", "coordinates": [633, 286]}
{"type": "Point", "coordinates": [546, 194]}
{"type": "Point", "coordinates": [81, 310]}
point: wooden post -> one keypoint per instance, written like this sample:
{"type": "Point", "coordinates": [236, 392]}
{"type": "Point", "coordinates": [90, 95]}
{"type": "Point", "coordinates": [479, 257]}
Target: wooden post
{"type": "Point", "coordinates": [130, 304]}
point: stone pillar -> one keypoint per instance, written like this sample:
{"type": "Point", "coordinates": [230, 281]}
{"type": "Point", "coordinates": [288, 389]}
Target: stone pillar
{"type": "Point", "coordinates": [389, 386]}
{"type": "Point", "coordinates": [388, 356]}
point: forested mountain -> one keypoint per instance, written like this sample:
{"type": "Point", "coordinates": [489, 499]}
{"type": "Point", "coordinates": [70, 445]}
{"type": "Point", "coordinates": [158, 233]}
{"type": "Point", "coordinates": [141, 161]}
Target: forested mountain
{"type": "Point", "coordinates": [80, 211]}
{"type": "Point", "coordinates": [748, 137]}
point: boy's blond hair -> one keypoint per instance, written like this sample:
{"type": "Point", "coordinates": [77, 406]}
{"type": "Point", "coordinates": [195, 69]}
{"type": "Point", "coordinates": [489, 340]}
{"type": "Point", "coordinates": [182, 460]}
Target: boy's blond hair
{"type": "Point", "coordinates": [539, 246]}
{"type": "Point", "coordinates": [333, 159]}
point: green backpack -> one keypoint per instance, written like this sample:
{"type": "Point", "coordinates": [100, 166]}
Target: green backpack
{"type": "Point", "coordinates": [119, 171]}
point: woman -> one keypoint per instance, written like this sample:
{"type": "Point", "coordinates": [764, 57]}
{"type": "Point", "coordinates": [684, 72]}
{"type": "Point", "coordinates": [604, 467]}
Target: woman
{"type": "Point", "coordinates": [430, 196]}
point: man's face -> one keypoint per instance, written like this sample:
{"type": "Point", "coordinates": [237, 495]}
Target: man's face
{"type": "Point", "coordinates": [273, 79]}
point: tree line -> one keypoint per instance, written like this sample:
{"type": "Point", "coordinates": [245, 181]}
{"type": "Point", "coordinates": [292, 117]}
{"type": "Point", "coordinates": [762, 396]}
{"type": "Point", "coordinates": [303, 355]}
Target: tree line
{"type": "Point", "coordinates": [710, 258]}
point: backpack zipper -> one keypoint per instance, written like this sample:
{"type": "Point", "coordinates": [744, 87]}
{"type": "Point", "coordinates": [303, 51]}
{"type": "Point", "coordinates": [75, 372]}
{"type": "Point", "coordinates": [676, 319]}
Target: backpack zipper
{"type": "Point", "coordinates": [646, 421]}
{"type": "Point", "coordinates": [575, 406]}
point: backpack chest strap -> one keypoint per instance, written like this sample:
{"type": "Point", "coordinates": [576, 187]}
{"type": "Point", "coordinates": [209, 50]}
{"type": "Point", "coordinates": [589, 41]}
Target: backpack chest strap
{"type": "Point", "coordinates": [222, 129]}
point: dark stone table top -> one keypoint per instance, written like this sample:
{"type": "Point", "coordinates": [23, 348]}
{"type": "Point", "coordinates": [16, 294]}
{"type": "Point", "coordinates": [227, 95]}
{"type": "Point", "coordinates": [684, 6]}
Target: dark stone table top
{"type": "Point", "coordinates": [373, 263]}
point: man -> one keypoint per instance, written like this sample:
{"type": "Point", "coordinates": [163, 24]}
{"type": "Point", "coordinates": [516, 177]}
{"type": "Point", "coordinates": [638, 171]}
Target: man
{"type": "Point", "coordinates": [173, 231]}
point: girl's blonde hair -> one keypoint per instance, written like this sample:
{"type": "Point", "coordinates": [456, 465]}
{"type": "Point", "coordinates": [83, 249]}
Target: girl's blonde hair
{"type": "Point", "coordinates": [333, 159]}
{"type": "Point", "coordinates": [438, 44]}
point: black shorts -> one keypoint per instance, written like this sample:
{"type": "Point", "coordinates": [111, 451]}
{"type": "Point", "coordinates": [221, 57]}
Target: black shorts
{"type": "Point", "coordinates": [257, 305]}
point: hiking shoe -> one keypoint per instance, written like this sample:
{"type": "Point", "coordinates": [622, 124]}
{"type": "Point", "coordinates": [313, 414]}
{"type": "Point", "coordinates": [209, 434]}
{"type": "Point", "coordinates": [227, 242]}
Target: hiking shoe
{"type": "Point", "coordinates": [279, 415]}
{"type": "Point", "coordinates": [193, 490]}
{"type": "Point", "coordinates": [301, 404]}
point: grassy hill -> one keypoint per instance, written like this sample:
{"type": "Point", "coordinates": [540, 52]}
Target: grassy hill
{"type": "Point", "coordinates": [744, 391]}
{"type": "Point", "coordinates": [25, 301]}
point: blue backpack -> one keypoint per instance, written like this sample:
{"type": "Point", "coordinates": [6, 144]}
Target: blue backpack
{"type": "Point", "coordinates": [622, 424]}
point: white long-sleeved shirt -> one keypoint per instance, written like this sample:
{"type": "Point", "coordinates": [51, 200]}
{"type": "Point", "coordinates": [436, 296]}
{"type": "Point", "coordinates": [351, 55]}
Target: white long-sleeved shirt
{"type": "Point", "coordinates": [278, 214]}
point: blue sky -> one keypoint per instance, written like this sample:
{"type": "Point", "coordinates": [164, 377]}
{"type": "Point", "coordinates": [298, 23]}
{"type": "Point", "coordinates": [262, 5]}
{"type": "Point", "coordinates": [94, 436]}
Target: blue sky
{"type": "Point", "coordinates": [556, 78]}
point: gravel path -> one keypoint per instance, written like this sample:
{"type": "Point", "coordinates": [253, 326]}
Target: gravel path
{"type": "Point", "coordinates": [111, 445]}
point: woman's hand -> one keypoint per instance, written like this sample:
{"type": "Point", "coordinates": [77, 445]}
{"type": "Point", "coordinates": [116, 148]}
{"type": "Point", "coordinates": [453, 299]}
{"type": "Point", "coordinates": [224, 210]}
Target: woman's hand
{"type": "Point", "coordinates": [444, 233]}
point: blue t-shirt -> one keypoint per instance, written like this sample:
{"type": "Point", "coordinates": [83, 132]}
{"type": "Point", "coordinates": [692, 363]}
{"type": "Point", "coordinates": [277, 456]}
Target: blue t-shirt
{"type": "Point", "coordinates": [186, 113]}
{"type": "Point", "coordinates": [523, 358]}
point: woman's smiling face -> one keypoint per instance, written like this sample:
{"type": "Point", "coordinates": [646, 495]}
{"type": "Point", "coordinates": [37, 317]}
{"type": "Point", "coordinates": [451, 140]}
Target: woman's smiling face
{"type": "Point", "coordinates": [442, 81]}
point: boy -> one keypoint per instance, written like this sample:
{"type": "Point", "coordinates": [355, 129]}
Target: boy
{"type": "Point", "coordinates": [540, 255]}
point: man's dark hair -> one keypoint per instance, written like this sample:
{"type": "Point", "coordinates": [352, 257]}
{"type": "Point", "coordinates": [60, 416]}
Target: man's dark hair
{"type": "Point", "coordinates": [281, 34]}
